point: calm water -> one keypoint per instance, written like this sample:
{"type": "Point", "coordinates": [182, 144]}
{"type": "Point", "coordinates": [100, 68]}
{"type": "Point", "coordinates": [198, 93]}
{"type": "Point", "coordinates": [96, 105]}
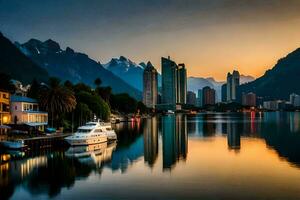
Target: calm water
{"type": "Point", "coordinates": [208, 156]}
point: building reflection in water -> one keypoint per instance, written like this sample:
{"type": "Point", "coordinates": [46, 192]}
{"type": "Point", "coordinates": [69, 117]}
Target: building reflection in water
{"type": "Point", "coordinates": [150, 141]}
{"type": "Point", "coordinates": [233, 136]}
{"type": "Point", "coordinates": [294, 122]}
{"type": "Point", "coordinates": [174, 136]}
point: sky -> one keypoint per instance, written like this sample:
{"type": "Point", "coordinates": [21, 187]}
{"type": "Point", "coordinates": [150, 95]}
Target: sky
{"type": "Point", "coordinates": [211, 37]}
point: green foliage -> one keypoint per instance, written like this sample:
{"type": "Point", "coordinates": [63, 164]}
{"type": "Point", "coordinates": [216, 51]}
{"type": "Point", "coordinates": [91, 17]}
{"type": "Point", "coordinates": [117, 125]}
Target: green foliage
{"type": "Point", "coordinates": [123, 103]}
{"type": "Point", "coordinates": [98, 82]}
{"type": "Point", "coordinates": [82, 114]}
{"type": "Point", "coordinates": [34, 90]}
{"type": "Point", "coordinates": [57, 99]}
{"type": "Point", "coordinates": [95, 103]}
{"type": "Point", "coordinates": [141, 107]}
{"type": "Point", "coordinates": [104, 92]}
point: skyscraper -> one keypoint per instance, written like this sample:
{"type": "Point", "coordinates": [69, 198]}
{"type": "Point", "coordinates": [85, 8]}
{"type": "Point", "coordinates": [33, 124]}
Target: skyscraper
{"type": "Point", "coordinates": [191, 98]}
{"type": "Point", "coordinates": [224, 92]}
{"type": "Point", "coordinates": [233, 81]}
{"type": "Point", "coordinates": [209, 96]}
{"type": "Point", "coordinates": [181, 84]}
{"type": "Point", "coordinates": [249, 99]}
{"type": "Point", "coordinates": [174, 84]}
{"type": "Point", "coordinates": [169, 82]}
{"type": "Point", "coordinates": [295, 100]}
{"type": "Point", "coordinates": [150, 86]}
{"type": "Point", "coordinates": [199, 98]}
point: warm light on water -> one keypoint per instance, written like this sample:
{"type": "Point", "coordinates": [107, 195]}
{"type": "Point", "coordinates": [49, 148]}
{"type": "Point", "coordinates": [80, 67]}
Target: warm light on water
{"type": "Point", "coordinates": [208, 156]}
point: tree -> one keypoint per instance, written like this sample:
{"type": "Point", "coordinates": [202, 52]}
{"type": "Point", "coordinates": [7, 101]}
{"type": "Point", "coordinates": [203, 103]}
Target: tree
{"type": "Point", "coordinates": [95, 103]}
{"type": "Point", "coordinates": [34, 90]}
{"type": "Point", "coordinates": [105, 93]}
{"type": "Point", "coordinates": [68, 84]}
{"type": "Point", "coordinates": [98, 82]}
{"type": "Point", "coordinates": [82, 113]}
{"type": "Point", "coordinates": [123, 103]}
{"type": "Point", "coordinates": [57, 99]}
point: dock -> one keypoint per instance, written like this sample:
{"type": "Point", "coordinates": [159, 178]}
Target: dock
{"type": "Point", "coordinates": [47, 141]}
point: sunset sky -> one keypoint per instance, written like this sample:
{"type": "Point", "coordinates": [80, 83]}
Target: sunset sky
{"type": "Point", "coordinates": [211, 37]}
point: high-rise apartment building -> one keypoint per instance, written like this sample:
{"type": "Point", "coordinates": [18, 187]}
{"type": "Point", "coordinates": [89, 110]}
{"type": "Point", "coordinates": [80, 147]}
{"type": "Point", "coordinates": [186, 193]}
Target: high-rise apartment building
{"type": "Point", "coordinates": [150, 86]}
{"type": "Point", "coordinates": [181, 84]}
{"type": "Point", "coordinates": [249, 99]}
{"type": "Point", "coordinates": [233, 81]}
{"type": "Point", "coordinates": [191, 98]}
{"type": "Point", "coordinates": [174, 84]}
{"type": "Point", "coordinates": [209, 96]}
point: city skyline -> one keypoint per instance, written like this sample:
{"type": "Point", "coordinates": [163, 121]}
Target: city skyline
{"type": "Point", "coordinates": [222, 29]}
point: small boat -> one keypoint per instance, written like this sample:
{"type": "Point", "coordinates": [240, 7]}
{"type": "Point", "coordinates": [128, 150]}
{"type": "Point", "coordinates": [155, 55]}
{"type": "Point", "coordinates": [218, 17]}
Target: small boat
{"type": "Point", "coordinates": [92, 133]}
{"type": "Point", "coordinates": [170, 112]}
{"type": "Point", "coordinates": [13, 144]}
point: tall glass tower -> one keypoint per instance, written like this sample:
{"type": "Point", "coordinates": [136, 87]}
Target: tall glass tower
{"type": "Point", "coordinates": [169, 82]}
{"type": "Point", "coordinates": [181, 84]}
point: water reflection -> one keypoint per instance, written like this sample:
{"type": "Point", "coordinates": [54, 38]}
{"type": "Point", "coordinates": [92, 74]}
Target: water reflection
{"type": "Point", "coordinates": [161, 144]}
{"type": "Point", "coordinates": [174, 139]}
{"type": "Point", "coordinates": [233, 137]}
{"type": "Point", "coordinates": [151, 141]}
{"type": "Point", "coordinates": [95, 155]}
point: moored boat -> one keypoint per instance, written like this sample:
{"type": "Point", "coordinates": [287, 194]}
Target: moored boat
{"type": "Point", "coordinates": [13, 144]}
{"type": "Point", "coordinates": [92, 133]}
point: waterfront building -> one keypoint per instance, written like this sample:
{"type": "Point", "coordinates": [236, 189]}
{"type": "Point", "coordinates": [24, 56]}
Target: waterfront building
{"type": "Point", "coordinates": [26, 111]}
{"type": "Point", "coordinates": [295, 100]}
{"type": "Point", "coordinates": [150, 93]}
{"type": "Point", "coordinates": [224, 93]}
{"type": "Point", "coordinates": [169, 83]}
{"type": "Point", "coordinates": [20, 90]}
{"type": "Point", "coordinates": [191, 98]}
{"type": "Point", "coordinates": [5, 116]}
{"type": "Point", "coordinates": [249, 99]}
{"type": "Point", "coordinates": [181, 84]}
{"type": "Point", "coordinates": [209, 96]}
{"type": "Point", "coordinates": [276, 105]}
{"type": "Point", "coordinates": [199, 98]}
{"type": "Point", "coordinates": [233, 81]}
{"type": "Point", "coordinates": [174, 85]}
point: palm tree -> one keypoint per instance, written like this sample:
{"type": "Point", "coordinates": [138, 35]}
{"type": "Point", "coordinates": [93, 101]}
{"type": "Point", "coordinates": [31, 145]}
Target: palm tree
{"type": "Point", "coordinates": [57, 99]}
{"type": "Point", "coordinates": [97, 82]}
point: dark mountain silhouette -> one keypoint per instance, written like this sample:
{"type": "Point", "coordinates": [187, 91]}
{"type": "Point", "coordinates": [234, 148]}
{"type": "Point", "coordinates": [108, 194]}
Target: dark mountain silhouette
{"type": "Point", "coordinates": [14, 63]}
{"type": "Point", "coordinates": [128, 71]}
{"type": "Point", "coordinates": [279, 82]}
{"type": "Point", "coordinates": [74, 66]}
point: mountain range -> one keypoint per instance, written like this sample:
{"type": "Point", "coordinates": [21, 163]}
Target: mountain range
{"type": "Point", "coordinates": [129, 71]}
{"type": "Point", "coordinates": [14, 63]}
{"type": "Point", "coordinates": [74, 66]}
{"type": "Point", "coordinates": [132, 73]}
{"type": "Point", "coordinates": [37, 59]}
{"type": "Point", "coordinates": [278, 82]}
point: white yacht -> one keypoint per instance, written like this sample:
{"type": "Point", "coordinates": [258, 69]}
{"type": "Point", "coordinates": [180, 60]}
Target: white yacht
{"type": "Point", "coordinates": [92, 133]}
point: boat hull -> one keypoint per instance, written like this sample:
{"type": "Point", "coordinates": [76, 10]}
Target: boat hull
{"type": "Point", "coordinates": [88, 141]}
{"type": "Point", "coordinates": [13, 144]}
